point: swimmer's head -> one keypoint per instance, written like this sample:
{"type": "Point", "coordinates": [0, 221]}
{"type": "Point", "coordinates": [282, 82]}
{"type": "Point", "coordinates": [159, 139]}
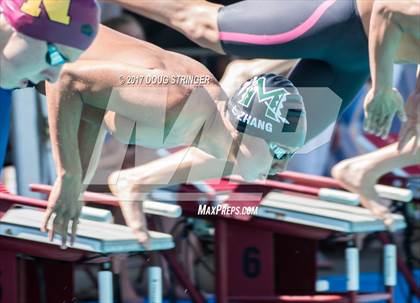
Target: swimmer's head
{"type": "Point", "coordinates": [269, 116]}
{"type": "Point", "coordinates": [42, 36]}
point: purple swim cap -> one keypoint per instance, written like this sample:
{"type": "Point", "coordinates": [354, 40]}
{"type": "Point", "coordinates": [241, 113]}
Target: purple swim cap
{"type": "Point", "coordinates": [72, 23]}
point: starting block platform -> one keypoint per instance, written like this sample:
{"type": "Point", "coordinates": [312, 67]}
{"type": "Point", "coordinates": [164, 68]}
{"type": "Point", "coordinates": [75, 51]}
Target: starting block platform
{"type": "Point", "coordinates": [318, 213]}
{"type": "Point", "coordinates": [98, 237]}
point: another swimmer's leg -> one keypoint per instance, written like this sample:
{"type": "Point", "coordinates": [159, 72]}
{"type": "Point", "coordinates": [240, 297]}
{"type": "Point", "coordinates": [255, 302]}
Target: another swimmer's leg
{"type": "Point", "coordinates": [122, 185]}
{"type": "Point", "coordinates": [238, 71]}
{"type": "Point", "coordinates": [307, 74]}
{"type": "Point", "coordinates": [132, 185]}
{"type": "Point", "coordinates": [360, 174]}
{"type": "Point", "coordinates": [195, 19]}
{"type": "Point", "coordinates": [327, 87]}
{"type": "Point", "coordinates": [91, 137]}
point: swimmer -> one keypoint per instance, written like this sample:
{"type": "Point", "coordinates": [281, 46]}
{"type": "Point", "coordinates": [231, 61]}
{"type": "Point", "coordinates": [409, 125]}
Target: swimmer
{"type": "Point", "coordinates": [337, 41]}
{"type": "Point", "coordinates": [36, 38]}
{"type": "Point", "coordinates": [394, 37]}
{"type": "Point", "coordinates": [330, 37]}
{"type": "Point", "coordinates": [109, 88]}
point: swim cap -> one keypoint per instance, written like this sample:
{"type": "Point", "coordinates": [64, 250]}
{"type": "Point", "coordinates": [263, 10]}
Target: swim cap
{"type": "Point", "coordinates": [72, 23]}
{"type": "Point", "coordinates": [270, 107]}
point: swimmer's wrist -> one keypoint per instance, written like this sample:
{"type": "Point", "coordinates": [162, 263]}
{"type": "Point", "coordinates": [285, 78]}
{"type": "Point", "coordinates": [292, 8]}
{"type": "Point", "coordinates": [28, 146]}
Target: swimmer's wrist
{"type": "Point", "coordinates": [381, 90]}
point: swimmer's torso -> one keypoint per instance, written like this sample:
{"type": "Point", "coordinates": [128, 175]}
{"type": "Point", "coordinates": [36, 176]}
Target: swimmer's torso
{"type": "Point", "coordinates": [408, 51]}
{"type": "Point", "coordinates": [160, 109]}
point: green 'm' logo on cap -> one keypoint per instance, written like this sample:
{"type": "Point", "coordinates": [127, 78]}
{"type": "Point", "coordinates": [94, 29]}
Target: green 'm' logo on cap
{"type": "Point", "coordinates": [273, 100]}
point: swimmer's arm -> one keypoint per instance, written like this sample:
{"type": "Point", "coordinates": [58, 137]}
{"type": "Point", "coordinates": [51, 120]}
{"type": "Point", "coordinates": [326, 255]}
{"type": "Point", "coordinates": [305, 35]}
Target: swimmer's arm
{"type": "Point", "coordinates": [384, 39]}
{"type": "Point", "coordinates": [390, 20]}
{"type": "Point", "coordinates": [195, 19]}
{"type": "Point", "coordinates": [67, 128]}
{"type": "Point", "coordinates": [64, 116]}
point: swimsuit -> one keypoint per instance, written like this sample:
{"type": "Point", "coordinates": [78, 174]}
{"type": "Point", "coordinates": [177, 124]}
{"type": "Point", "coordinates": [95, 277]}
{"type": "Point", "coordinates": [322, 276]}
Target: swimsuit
{"type": "Point", "coordinates": [327, 35]}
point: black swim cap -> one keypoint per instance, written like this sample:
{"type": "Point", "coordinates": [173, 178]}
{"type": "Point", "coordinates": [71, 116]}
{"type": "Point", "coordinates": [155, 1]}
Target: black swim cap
{"type": "Point", "coordinates": [270, 107]}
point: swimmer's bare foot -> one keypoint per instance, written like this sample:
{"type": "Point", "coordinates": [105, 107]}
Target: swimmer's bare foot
{"type": "Point", "coordinates": [358, 175]}
{"type": "Point", "coordinates": [123, 186]}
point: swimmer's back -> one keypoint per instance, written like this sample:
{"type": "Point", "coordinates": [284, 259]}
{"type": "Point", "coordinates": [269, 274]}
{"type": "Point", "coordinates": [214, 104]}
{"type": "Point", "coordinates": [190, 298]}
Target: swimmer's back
{"type": "Point", "coordinates": [125, 49]}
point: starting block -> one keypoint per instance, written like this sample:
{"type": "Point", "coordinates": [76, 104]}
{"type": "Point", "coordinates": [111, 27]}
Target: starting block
{"type": "Point", "coordinates": [96, 237]}
{"type": "Point", "coordinates": [322, 214]}
{"type": "Point", "coordinates": [33, 267]}
{"type": "Point", "coordinates": [271, 256]}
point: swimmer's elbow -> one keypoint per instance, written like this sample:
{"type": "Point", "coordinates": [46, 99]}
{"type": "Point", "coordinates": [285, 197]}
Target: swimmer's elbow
{"type": "Point", "coordinates": [390, 12]}
{"type": "Point", "coordinates": [384, 10]}
{"type": "Point", "coordinates": [69, 81]}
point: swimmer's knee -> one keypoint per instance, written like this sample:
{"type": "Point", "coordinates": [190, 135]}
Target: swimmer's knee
{"type": "Point", "coordinates": [199, 23]}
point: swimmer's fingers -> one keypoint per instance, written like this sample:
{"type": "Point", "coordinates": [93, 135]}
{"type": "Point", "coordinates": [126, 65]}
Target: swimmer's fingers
{"type": "Point", "coordinates": [47, 216]}
{"type": "Point", "coordinates": [369, 111]}
{"type": "Point", "coordinates": [386, 127]}
{"type": "Point", "coordinates": [368, 123]}
{"type": "Point", "coordinates": [401, 114]}
{"type": "Point", "coordinates": [75, 221]}
{"type": "Point", "coordinates": [60, 226]}
{"type": "Point", "coordinates": [56, 223]}
{"type": "Point", "coordinates": [378, 124]}
{"type": "Point", "coordinates": [64, 232]}
{"type": "Point", "coordinates": [377, 117]}
{"type": "Point", "coordinates": [75, 224]}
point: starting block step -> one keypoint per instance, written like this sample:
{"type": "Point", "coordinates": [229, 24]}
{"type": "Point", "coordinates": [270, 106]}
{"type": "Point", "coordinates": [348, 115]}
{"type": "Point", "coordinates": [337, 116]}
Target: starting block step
{"type": "Point", "coordinates": [99, 237]}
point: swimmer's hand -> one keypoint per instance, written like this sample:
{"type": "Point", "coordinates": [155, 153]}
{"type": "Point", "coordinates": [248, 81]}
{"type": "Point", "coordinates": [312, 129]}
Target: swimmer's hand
{"type": "Point", "coordinates": [64, 202]}
{"type": "Point", "coordinates": [380, 108]}
{"type": "Point", "coordinates": [411, 128]}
